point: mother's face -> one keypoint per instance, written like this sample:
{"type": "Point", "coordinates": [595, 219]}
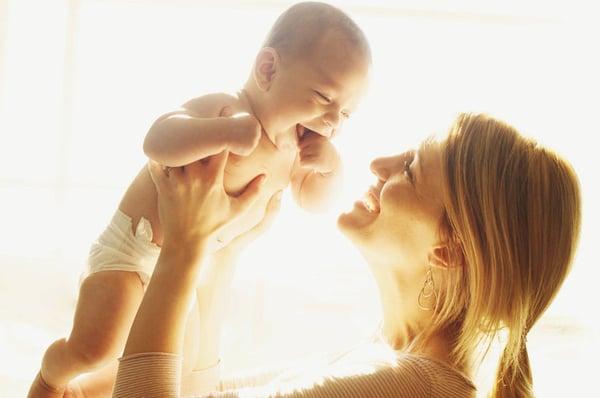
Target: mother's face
{"type": "Point", "coordinates": [398, 220]}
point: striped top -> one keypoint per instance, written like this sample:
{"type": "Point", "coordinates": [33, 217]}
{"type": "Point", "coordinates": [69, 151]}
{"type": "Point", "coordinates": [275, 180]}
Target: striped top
{"type": "Point", "coordinates": [350, 375]}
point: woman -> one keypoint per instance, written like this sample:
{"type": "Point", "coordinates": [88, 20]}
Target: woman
{"type": "Point", "coordinates": [466, 236]}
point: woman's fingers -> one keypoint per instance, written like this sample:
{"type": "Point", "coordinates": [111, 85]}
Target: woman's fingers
{"type": "Point", "coordinates": [158, 174]}
{"type": "Point", "coordinates": [210, 169]}
{"type": "Point", "coordinates": [239, 242]}
{"type": "Point", "coordinates": [216, 165]}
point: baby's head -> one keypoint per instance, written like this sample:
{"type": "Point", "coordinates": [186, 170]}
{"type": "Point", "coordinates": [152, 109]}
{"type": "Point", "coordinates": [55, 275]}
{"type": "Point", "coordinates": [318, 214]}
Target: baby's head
{"type": "Point", "coordinates": [311, 72]}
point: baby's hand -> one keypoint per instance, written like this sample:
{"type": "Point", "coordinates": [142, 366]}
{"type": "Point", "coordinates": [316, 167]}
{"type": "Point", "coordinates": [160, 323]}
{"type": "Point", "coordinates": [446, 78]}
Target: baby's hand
{"type": "Point", "coordinates": [243, 133]}
{"type": "Point", "coordinates": [318, 153]}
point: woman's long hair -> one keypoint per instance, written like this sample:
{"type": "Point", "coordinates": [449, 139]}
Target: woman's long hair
{"type": "Point", "coordinates": [513, 213]}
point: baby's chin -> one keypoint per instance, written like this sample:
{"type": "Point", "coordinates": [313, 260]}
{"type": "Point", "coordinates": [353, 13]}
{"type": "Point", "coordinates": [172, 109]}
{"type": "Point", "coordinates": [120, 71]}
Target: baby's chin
{"type": "Point", "coordinates": [286, 141]}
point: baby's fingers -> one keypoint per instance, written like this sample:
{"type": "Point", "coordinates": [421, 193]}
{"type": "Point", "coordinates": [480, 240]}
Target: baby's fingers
{"type": "Point", "coordinates": [226, 112]}
{"type": "Point", "coordinates": [308, 160]}
{"type": "Point", "coordinates": [309, 138]}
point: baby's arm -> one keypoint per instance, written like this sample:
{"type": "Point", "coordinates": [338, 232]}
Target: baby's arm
{"type": "Point", "coordinates": [317, 173]}
{"type": "Point", "coordinates": [203, 127]}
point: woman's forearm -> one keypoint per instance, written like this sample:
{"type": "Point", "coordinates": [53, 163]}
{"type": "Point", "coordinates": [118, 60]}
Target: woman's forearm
{"type": "Point", "coordinates": [212, 295]}
{"type": "Point", "coordinates": [159, 325]}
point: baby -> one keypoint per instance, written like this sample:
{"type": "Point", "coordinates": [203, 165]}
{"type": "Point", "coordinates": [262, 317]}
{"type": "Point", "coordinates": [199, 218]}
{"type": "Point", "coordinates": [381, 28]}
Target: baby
{"type": "Point", "coordinates": [307, 79]}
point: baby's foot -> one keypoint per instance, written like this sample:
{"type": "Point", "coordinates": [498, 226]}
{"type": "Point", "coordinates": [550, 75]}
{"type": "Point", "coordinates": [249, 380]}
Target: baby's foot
{"type": "Point", "coordinates": [41, 389]}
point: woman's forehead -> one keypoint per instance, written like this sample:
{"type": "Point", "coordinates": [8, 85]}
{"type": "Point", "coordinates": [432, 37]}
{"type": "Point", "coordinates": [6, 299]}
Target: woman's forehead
{"type": "Point", "coordinates": [430, 170]}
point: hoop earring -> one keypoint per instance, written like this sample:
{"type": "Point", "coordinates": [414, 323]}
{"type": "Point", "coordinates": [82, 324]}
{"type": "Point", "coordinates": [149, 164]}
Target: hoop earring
{"type": "Point", "coordinates": [428, 290]}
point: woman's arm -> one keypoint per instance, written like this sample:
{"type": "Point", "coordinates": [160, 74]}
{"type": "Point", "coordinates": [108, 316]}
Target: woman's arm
{"type": "Point", "coordinates": [192, 207]}
{"type": "Point", "coordinates": [214, 285]}
{"type": "Point", "coordinates": [159, 325]}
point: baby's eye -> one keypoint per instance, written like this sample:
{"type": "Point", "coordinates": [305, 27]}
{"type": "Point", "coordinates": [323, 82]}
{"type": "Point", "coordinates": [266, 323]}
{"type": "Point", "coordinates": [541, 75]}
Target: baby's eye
{"type": "Point", "coordinates": [323, 96]}
{"type": "Point", "coordinates": [345, 114]}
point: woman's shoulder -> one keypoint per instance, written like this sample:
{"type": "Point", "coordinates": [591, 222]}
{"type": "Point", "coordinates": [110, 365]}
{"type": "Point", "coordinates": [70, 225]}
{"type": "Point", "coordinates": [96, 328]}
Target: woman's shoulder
{"type": "Point", "coordinates": [443, 379]}
{"type": "Point", "coordinates": [379, 366]}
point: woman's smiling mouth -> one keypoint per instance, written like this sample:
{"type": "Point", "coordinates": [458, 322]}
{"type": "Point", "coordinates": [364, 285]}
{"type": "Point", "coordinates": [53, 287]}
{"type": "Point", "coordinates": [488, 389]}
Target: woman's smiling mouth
{"type": "Point", "coordinates": [371, 200]}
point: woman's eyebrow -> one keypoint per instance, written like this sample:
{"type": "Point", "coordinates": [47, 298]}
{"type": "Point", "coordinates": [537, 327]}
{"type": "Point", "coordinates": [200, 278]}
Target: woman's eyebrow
{"type": "Point", "coordinates": [420, 152]}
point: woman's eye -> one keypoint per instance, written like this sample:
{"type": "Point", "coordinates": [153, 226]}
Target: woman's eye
{"type": "Point", "coordinates": [407, 172]}
{"type": "Point", "coordinates": [323, 96]}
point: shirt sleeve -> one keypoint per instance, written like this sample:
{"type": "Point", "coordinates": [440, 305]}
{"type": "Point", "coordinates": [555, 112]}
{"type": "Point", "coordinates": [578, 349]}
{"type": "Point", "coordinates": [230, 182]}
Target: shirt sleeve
{"type": "Point", "coordinates": [157, 374]}
{"type": "Point", "coordinates": [148, 375]}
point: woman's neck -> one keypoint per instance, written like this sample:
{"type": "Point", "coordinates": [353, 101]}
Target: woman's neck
{"type": "Point", "coordinates": [403, 320]}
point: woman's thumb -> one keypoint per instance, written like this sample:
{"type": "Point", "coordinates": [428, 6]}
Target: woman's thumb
{"type": "Point", "coordinates": [251, 192]}
{"type": "Point", "coordinates": [272, 208]}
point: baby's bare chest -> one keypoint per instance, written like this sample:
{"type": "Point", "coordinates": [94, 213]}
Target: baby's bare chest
{"type": "Point", "coordinates": [265, 159]}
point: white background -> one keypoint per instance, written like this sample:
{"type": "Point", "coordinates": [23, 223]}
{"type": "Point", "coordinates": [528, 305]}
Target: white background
{"type": "Point", "coordinates": [81, 82]}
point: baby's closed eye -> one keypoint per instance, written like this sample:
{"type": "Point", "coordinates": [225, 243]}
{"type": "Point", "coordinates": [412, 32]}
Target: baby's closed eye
{"type": "Point", "coordinates": [323, 97]}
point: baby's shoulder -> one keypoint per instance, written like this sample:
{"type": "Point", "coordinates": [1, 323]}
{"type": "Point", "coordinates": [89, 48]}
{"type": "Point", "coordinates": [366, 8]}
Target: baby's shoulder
{"type": "Point", "coordinates": [212, 105]}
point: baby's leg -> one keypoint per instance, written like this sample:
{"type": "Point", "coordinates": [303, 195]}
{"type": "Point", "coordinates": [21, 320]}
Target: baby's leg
{"type": "Point", "coordinates": [99, 384]}
{"type": "Point", "coordinates": [106, 307]}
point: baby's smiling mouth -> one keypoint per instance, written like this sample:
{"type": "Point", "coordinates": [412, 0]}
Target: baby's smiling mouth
{"type": "Point", "coordinates": [301, 130]}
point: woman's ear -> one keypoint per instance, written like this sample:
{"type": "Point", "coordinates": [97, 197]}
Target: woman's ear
{"type": "Point", "coordinates": [265, 68]}
{"type": "Point", "coordinates": [443, 256]}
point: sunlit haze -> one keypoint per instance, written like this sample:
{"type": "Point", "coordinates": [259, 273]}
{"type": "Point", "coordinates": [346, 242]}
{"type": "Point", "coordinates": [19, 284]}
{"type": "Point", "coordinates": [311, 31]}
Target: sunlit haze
{"type": "Point", "coordinates": [81, 81]}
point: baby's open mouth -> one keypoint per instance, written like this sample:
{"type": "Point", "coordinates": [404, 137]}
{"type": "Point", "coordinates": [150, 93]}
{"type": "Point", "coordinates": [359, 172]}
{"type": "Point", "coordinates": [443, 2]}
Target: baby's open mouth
{"type": "Point", "coordinates": [301, 130]}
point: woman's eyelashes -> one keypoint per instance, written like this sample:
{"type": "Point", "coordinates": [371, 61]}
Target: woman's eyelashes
{"type": "Point", "coordinates": [407, 171]}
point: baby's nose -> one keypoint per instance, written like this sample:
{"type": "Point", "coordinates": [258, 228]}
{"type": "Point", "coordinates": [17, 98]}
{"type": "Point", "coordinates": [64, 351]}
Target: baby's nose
{"type": "Point", "coordinates": [332, 119]}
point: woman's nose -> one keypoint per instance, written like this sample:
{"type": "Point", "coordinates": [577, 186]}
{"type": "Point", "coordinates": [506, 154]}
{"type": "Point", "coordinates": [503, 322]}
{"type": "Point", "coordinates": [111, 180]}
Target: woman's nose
{"type": "Point", "coordinates": [380, 167]}
{"type": "Point", "coordinates": [385, 167]}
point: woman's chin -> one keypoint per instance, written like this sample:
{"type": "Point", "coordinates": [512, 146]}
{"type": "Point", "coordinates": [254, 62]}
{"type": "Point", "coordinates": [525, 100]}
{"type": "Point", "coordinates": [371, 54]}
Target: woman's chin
{"type": "Point", "coordinates": [353, 223]}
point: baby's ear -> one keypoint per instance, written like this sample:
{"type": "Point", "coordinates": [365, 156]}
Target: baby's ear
{"type": "Point", "coordinates": [265, 67]}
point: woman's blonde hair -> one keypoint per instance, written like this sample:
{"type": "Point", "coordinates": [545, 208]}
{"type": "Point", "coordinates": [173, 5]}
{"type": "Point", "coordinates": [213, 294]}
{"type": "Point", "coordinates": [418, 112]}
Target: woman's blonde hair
{"type": "Point", "coordinates": [513, 216]}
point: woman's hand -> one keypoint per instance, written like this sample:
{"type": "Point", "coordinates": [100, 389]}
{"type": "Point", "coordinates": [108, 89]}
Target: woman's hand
{"type": "Point", "coordinates": [192, 202]}
{"type": "Point", "coordinates": [237, 245]}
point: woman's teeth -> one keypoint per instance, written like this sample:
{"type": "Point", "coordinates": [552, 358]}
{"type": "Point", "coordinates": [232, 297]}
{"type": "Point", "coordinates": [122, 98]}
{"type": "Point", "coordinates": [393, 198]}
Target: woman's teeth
{"type": "Point", "coordinates": [370, 202]}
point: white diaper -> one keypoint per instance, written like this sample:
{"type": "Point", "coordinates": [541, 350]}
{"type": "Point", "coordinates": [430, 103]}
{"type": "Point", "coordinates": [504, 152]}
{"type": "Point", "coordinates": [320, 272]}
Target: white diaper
{"type": "Point", "coordinates": [119, 249]}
